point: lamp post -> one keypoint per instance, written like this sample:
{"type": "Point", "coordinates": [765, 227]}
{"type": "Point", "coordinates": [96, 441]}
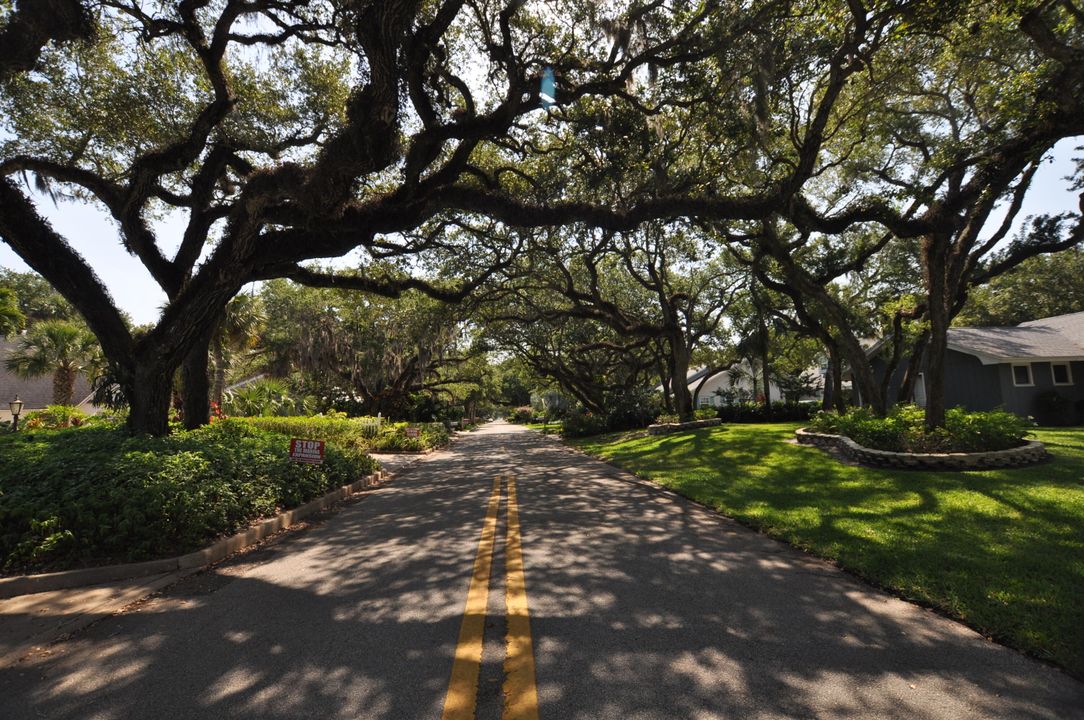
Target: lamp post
{"type": "Point", "coordinates": [16, 407]}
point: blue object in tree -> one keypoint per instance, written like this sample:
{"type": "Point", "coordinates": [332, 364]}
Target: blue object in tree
{"type": "Point", "coordinates": [548, 92]}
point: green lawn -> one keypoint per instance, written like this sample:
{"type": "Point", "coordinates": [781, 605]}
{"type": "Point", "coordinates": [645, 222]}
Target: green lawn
{"type": "Point", "coordinates": [1002, 550]}
{"type": "Point", "coordinates": [553, 428]}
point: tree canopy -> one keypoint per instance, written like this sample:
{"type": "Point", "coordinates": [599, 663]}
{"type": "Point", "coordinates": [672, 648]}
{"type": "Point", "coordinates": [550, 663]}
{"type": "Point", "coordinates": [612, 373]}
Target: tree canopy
{"type": "Point", "coordinates": [812, 135]}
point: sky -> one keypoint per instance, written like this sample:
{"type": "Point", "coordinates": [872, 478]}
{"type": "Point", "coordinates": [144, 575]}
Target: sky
{"type": "Point", "coordinates": [94, 235]}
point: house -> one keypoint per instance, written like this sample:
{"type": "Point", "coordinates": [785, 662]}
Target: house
{"type": "Point", "coordinates": [36, 393]}
{"type": "Point", "coordinates": [734, 384]}
{"type": "Point", "coordinates": [1017, 368]}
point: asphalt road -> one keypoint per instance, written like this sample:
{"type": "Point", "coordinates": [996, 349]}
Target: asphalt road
{"type": "Point", "coordinates": [641, 606]}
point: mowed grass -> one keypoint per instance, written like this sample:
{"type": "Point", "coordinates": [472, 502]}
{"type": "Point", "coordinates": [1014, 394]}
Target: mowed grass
{"type": "Point", "coordinates": [1002, 550]}
{"type": "Point", "coordinates": [553, 428]}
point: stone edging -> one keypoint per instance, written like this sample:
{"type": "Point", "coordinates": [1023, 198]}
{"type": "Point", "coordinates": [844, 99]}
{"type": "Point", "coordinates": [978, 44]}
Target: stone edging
{"type": "Point", "coordinates": [667, 428]}
{"type": "Point", "coordinates": [1028, 454]}
{"type": "Point", "coordinates": [26, 584]}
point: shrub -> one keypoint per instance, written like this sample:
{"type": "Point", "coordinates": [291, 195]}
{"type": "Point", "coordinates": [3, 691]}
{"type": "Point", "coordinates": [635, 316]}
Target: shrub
{"type": "Point", "coordinates": [54, 417]}
{"type": "Point", "coordinates": [266, 397]}
{"type": "Point", "coordinates": [393, 437]}
{"type": "Point", "coordinates": [668, 419]}
{"type": "Point", "coordinates": [1053, 408]}
{"type": "Point", "coordinates": [366, 434]}
{"type": "Point", "coordinates": [583, 424]}
{"type": "Point", "coordinates": [748, 412]}
{"type": "Point", "coordinates": [94, 495]}
{"type": "Point", "coordinates": [705, 413]}
{"type": "Point", "coordinates": [633, 409]}
{"type": "Point", "coordinates": [904, 430]}
{"type": "Point", "coordinates": [336, 429]}
{"type": "Point", "coordinates": [521, 415]}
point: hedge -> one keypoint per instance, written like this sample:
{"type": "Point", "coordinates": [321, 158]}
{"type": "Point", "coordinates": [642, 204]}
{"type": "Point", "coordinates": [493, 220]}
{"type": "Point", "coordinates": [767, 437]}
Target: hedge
{"type": "Point", "coordinates": [356, 432]}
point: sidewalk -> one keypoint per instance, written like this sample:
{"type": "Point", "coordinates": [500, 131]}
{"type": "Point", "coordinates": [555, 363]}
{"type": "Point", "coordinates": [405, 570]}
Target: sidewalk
{"type": "Point", "coordinates": [29, 623]}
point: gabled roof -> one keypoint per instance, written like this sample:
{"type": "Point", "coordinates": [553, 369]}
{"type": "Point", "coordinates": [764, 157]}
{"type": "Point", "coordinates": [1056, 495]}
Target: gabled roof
{"type": "Point", "coordinates": [1055, 338]}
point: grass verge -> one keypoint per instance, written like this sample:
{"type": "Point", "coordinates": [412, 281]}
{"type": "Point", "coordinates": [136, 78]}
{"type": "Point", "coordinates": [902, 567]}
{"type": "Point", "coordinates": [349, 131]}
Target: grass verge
{"type": "Point", "coordinates": [1002, 550]}
{"type": "Point", "coordinates": [553, 428]}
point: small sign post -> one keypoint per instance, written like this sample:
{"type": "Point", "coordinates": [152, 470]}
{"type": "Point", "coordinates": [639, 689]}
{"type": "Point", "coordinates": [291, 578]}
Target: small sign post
{"type": "Point", "coordinates": [307, 451]}
{"type": "Point", "coordinates": [413, 432]}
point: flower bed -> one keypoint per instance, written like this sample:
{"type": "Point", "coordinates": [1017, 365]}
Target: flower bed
{"type": "Point", "coordinates": [1029, 453]}
{"type": "Point", "coordinates": [904, 430]}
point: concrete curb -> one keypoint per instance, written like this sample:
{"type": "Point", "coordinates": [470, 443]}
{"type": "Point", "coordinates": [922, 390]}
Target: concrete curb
{"type": "Point", "coordinates": [27, 584]}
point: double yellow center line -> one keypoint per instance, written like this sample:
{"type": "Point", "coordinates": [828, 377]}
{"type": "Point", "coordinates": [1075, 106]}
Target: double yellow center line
{"type": "Point", "coordinates": [520, 693]}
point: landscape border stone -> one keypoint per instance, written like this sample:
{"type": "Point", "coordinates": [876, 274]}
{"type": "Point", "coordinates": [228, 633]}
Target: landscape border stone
{"type": "Point", "coordinates": [1030, 453]}
{"type": "Point", "coordinates": [27, 584]}
{"type": "Point", "coordinates": [667, 428]}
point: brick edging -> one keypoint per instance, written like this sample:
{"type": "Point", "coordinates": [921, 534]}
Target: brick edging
{"type": "Point", "coordinates": [667, 428]}
{"type": "Point", "coordinates": [1027, 454]}
{"type": "Point", "coordinates": [26, 584]}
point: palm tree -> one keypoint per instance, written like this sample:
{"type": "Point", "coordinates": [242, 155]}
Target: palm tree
{"type": "Point", "coordinates": [58, 347]}
{"type": "Point", "coordinates": [239, 329]}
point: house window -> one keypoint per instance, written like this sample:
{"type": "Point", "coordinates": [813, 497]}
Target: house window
{"type": "Point", "coordinates": [1021, 375]}
{"type": "Point", "coordinates": [1063, 375]}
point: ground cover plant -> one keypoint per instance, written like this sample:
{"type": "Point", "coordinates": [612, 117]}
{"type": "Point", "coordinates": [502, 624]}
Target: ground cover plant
{"type": "Point", "coordinates": [999, 549]}
{"type": "Point", "coordinates": [94, 495]}
{"type": "Point", "coordinates": [904, 430]}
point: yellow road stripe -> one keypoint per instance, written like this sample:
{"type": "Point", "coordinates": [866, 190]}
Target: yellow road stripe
{"type": "Point", "coordinates": [520, 693]}
{"type": "Point", "coordinates": [463, 687]}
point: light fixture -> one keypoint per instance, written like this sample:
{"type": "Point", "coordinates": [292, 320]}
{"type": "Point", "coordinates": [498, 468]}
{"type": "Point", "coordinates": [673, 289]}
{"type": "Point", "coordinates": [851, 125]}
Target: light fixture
{"type": "Point", "coordinates": [16, 407]}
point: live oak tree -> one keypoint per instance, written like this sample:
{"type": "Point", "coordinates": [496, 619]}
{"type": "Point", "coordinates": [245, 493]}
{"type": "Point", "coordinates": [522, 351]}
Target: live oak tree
{"type": "Point", "coordinates": [32, 24]}
{"type": "Point", "coordinates": [589, 360]}
{"type": "Point", "coordinates": [283, 131]}
{"type": "Point", "coordinates": [362, 352]}
{"type": "Point", "coordinates": [953, 114]}
{"type": "Point", "coordinates": [1040, 287]}
{"type": "Point", "coordinates": [287, 131]}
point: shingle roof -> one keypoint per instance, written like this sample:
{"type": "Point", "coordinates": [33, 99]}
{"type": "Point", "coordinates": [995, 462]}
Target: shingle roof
{"type": "Point", "coordinates": [1071, 325]}
{"type": "Point", "coordinates": [35, 393]}
{"type": "Point", "coordinates": [1060, 337]}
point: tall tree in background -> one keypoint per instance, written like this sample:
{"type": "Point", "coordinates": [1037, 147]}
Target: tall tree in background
{"type": "Point", "coordinates": [396, 114]}
{"type": "Point", "coordinates": [1040, 287]}
{"type": "Point", "coordinates": [11, 317]}
{"type": "Point", "coordinates": [239, 330]}
{"type": "Point", "coordinates": [368, 353]}
{"type": "Point", "coordinates": [383, 126]}
{"type": "Point", "coordinates": [36, 297]}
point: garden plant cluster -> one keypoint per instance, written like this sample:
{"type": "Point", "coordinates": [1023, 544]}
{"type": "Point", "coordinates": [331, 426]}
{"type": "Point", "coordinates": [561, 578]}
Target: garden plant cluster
{"type": "Point", "coordinates": [93, 495]}
{"type": "Point", "coordinates": [904, 430]}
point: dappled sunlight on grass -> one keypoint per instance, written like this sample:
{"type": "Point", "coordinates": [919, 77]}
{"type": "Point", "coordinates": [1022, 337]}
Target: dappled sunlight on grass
{"type": "Point", "coordinates": [1000, 549]}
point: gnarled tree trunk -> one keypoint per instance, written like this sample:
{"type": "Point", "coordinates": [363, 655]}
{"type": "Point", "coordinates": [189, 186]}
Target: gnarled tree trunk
{"type": "Point", "coordinates": [196, 387]}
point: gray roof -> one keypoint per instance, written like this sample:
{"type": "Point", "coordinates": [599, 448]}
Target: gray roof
{"type": "Point", "coordinates": [1054, 338]}
{"type": "Point", "coordinates": [35, 393]}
